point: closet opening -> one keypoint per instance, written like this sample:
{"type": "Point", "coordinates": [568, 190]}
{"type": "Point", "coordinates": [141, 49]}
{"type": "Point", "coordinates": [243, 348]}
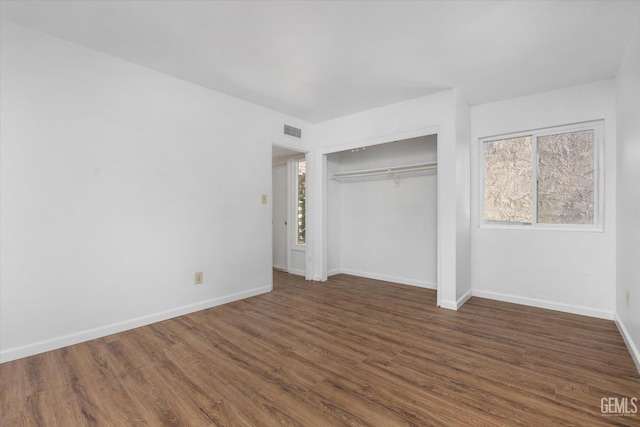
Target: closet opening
{"type": "Point", "coordinates": [381, 212]}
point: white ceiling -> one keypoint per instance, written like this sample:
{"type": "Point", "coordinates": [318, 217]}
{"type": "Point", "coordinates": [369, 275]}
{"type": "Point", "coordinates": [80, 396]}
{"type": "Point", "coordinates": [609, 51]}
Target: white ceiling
{"type": "Point", "coordinates": [318, 60]}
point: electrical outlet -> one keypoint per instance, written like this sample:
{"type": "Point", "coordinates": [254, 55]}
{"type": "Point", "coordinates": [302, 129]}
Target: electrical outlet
{"type": "Point", "coordinates": [199, 278]}
{"type": "Point", "coordinates": [628, 298]}
{"type": "Point", "coordinates": [264, 199]}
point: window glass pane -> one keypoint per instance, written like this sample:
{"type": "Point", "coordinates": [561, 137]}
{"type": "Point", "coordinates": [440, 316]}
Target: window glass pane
{"type": "Point", "coordinates": [508, 181]}
{"type": "Point", "coordinates": [301, 201]}
{"type": "Point", "coordinates": [566, 178]}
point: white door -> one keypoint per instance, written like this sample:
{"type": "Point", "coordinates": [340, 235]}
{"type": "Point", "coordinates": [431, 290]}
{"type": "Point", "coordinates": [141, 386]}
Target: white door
{"type": "Point", "coordinates": [280, 217]}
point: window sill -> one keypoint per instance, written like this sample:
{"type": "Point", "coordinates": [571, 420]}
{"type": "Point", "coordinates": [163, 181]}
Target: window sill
{"type": "Point", "coordinates": [543, 227]}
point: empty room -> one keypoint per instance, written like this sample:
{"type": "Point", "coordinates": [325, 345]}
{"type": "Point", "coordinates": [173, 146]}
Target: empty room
{"type": "Point", "coordinates": [319, 213]}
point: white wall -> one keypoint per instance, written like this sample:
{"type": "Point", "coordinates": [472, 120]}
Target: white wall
{"type": "Point", "coordinates": [628, 197]}
{"type": "Point", "coordinates": [279, 219]}
{"type": "Point", "coordinates": [333, 206]}
{"type": "Point", "coordinates": [387, 231]}
{"type": "Point", "coordinates": [118, 183]}
{"type": "Point", "coordinates": [463, 200]}
{"type": "Point", "coordinates": [564, 270]}
{"type": "Point", "coordinates": [428, 115]}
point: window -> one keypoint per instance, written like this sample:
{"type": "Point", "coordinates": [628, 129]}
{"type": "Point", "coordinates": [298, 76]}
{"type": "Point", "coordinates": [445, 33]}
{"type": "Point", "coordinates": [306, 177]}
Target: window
{"type": "Point", "coordinates": [545, 178]}
{"type": "Point", "coordinates": [301, 198]}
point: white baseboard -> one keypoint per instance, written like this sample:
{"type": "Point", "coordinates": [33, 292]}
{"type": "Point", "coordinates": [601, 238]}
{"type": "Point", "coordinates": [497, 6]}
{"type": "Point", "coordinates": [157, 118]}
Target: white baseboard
{"type": "Point", "coordinates": [464, 298]}
{"type": "Point", "coordinates": [334, 272]}
{"type": "Point", "coordinates": [297, 272]}
{"type": "Point", "coordinates": [386, 278]}
{"type": "Point", "coordinates": [631, 346]}
{"type": "Point", "coordinates": [455, 305]}
{"type": "Point", "coordinates": [89, 334]}
{"type": "Point", "coordinates": [448, 304]}
{"type": "Point", "coordinates": [550, 305]}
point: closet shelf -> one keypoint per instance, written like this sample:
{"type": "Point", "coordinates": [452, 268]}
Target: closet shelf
{"type": "Point", "coordinates": [391, 172]}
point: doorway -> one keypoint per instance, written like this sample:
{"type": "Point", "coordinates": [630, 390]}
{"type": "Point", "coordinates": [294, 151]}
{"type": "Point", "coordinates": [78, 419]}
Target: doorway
{"type": "Point", "coordinates": [289, 210]}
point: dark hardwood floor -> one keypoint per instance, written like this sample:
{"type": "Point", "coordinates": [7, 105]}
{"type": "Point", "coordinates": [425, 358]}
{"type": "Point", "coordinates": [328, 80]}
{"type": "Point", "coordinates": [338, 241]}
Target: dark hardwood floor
{"type": "Point", "coordinates": [350, 351]}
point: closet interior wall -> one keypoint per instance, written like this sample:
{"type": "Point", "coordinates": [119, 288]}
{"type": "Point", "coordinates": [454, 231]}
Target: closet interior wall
{"type": "Point", "coordinates": [379, 227]}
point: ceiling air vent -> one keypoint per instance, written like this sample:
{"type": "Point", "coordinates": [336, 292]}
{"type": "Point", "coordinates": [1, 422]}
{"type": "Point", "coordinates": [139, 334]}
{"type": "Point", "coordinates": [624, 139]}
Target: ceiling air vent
{"type": "Point", "coordinates": [290, 130]}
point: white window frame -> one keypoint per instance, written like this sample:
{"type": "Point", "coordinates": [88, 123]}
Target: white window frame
{"type": "Point", "coordinates": [293, 198]}
{"type": "Point", "coordinates": [598, 197]}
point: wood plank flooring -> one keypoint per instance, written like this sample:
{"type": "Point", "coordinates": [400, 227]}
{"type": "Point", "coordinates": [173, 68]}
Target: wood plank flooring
{"type": "Point", "coordinates": [351, 351]}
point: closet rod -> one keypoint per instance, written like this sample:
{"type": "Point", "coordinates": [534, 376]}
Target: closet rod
{"type": "Point", "coordinates": [385, 171]}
